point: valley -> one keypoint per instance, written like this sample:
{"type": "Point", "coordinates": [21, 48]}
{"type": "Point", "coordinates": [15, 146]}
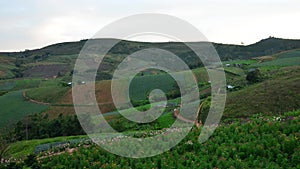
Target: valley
{"type": "Point", "coordinates": [259, 127]}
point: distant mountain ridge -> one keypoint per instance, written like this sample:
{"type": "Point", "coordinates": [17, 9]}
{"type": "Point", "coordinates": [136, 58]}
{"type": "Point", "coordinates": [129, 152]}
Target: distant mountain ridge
{"type": "Point", "coordinates": [30, 63]}
{"type": "Point", "coordinates": [267, 46]}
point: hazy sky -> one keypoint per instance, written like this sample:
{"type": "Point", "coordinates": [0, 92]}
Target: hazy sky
{"type": "Point", "coordinates": [35, 23]}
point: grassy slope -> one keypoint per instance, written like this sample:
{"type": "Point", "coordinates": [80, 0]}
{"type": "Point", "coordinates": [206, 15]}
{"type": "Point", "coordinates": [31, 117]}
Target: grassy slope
{"type": "Point", "coordinates": [23, 148]}
{"type": "Point", "coordinates": [276, 95]}
{"type": "Point", "coordinates": [285, 58]}
{"type": "Point", "coordinates": [234, 71]}
{"type": "Point", "coordinates": [48, 91]}
{"type": "Point", "coordinates": [291, 61]}
{"type": "Point", "coordinates": [6, 65]}
{"type": "Point", "coordinates": [50, 94]}
{"type": "Point", "coordinates": [51, 91]}
{"type": "Point", "coordinates": [14, 108]}
{"type": "Point", "coordinates": [20, 84]}
{"type": "Point", "coordinates": [103, 91]}
{"type": "Point", "coordinates": [261, 142]}
{"type": "Point", "coordinates": [66, 53]}
{"type": "Point", "coordinates": [288, 54]}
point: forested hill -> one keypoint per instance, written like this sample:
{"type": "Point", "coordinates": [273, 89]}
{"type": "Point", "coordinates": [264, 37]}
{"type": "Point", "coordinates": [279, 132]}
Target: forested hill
{"type": "Point", "coordinates": [267, 46]}
{"type": "Point", "coordinates": [264, 47]}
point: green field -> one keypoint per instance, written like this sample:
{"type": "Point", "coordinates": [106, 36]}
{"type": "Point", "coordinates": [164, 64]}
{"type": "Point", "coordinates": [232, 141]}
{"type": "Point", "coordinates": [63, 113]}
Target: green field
{"type": "Point", "coordinates": [7, 71]}
{"type": "Point", "coordinates": [6, 67]}
{"type": "Point", "coordinates": [259, 127]}
{"type": "Point", "coordinates": [14, 108]}
{"type": "Point", "coordinates": [234, 71]}
{"type": "Point", "coordinates": [289, 54]}
{"type": "Point", "coordinates": [19, 84]}
{"type": "Point", "coordinates": [7, 85]}
{"type": "Point", "coordinates": [285, 61]}
{"type": "Point", "coordinates": [276, 95]}
{"type": "Point", "coordinates": [39, 89]}
{"type": "Point", "coordinates": [140, 86]}
{"type": "Point", "coordinates": [246, 62]}
{"type": "Point", "coordinates": [23, 148]}
{"type": "Point", "coordinates": [29, 83]}
{"type": "Point", "coordinates": [50, 94]}
{"type": "Point", "coordinates": [282, 59]}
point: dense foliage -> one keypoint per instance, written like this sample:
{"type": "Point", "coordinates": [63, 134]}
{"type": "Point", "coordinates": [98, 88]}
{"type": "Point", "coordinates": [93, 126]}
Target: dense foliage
{"type": "Point", "coordinates": [258, 142]}
{"type": "Point", "coordinates": [260, 86]}
{"type": "Point", "coordinates": [39, 126]}
{"type": "Point", "coordinates": [66, 53]}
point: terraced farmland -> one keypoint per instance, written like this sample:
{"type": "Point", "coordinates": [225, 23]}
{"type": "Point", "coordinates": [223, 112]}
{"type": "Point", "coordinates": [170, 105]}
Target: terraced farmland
{"type": "Point", "coordinates": [14, 107]}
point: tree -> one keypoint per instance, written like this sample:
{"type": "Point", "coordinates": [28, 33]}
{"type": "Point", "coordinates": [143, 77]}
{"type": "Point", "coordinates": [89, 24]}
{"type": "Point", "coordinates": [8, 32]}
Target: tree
{"type": "Point", "coordinates": [254, 76]}
{"type": "Point", "coordinates": [4, 145]}
{"type": "Point", "coordinates": [59, 74]}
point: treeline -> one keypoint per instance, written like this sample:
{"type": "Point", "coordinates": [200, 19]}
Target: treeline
{"type": "Point", "coordinates": [122, 49]}
{"type": "Point", "coordinates": [266, 46]}
{"type": "Point", "coordinates": [263, 142]}
{"type": "Point", "coordinates": [40, 126]}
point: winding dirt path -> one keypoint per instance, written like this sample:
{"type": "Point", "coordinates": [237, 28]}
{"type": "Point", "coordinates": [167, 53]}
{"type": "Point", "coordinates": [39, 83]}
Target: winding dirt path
{"type": "Point", "coordinates": [196, 122]}
{"type": "Point", "coordinates": [69, 151]}
{"type": "Point", "coordinates": [33, 101]}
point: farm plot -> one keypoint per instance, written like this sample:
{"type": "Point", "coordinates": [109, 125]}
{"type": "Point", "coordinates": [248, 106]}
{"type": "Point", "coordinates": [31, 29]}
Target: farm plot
{"type": "Point", "coordinates": [7, 85]}
{"type": "Point", "coordinates": [289, 54]}
{"type": "Point", "coordinates": [234, 71]}
{"type": "Point", "coordinates": [290, 61]}
{"type": "Point", "coordinates": [50, 94]}
{"type": "Point", "coordinates": [47, 71]}
{"type": "Point", "coordinates": [14, 107]}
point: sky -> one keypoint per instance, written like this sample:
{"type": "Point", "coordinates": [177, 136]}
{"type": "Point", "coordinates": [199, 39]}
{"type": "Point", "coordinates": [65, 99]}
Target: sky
{"type": "Point", "coordinates": [34, 24]}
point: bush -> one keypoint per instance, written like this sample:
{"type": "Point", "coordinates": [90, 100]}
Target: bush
{"type": "Point", "coordinates": [254, 76]}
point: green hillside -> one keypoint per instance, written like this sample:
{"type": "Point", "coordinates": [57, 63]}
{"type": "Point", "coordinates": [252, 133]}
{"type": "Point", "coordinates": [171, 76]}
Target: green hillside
{"type": "Point", "coordinates": [276, 95]}
{"type": "Point", "coordinates": [59, 59]}
{"type": "Point", "coordinates": [259, 127]}
{"type": "Point", "coordinates": [262, 142]}
{"type": "Point", "coordinates": [14, 108]}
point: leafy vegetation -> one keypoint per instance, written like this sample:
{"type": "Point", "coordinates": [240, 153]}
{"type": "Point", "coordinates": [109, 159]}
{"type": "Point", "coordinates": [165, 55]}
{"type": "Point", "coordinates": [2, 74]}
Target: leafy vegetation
{"type": "Point", "coordinates": [7, 85]}
{"type": "Point", "coordinates": [40, 126]}
{"type": "Point", "coordinates": [4, 145]}
{"type": "Point", "coordinates": [21, 149]}
{"type": "Point", "coordinates": [234, 71]}
{"type": "Point", "coordinates": [278, 94]}
{"type": "Point", "coordinates": [291, 61]}
{"type": "Point", "coordinates": [289, 54]}
{"type": "Point", "coordinates": [141, 86]}
{"type": "Point", "coordinates": [264, 80]}
{"type": "Point", "coordinates": [62, 56]}
{"type": "Point", "coordinates": [14, 108]}
{"type": "Point", "coordinates": [254, 76]}
{"type": "Point", "coordinates": [262, 142]}
{"type": "Point", "coordinates": [22, 84]}
{"type": "Point", "coordinates": [50, 94]}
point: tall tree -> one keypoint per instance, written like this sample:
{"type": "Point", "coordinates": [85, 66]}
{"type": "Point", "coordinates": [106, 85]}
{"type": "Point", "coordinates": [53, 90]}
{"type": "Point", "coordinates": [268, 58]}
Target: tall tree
{"type": "Point", "coordinates": [4, 145]}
